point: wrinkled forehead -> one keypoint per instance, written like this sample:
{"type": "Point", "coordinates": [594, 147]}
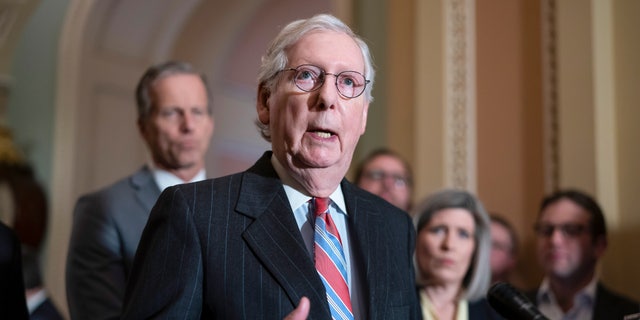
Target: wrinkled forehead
{"type": "Point", "coordinates": [327, 49]}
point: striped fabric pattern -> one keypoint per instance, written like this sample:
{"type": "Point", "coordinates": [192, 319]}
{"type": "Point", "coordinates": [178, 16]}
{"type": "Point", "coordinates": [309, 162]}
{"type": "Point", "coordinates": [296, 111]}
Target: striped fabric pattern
{"type": "Point", "coordinates": [330, 261]}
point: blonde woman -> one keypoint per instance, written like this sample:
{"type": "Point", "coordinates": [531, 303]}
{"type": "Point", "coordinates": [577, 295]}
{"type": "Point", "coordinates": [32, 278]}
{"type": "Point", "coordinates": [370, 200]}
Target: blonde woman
{"type": "Point", "coordinates": [452, 257]}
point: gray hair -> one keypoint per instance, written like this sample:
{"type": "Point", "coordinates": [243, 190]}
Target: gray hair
{"type": "Point", "coordinates": [476, 281]}
{"type": "Point", "coordinates": [159, 71]}
{"type": "Point", "coordinates": [275, 59]}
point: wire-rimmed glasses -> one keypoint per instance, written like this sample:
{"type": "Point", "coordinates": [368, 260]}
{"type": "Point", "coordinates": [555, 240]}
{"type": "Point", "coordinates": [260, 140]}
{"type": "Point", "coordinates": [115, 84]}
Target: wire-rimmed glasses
{"type": "Point", "coordinates": [399, 181]}
{"type": "Point", "coordinates": [308, 78]}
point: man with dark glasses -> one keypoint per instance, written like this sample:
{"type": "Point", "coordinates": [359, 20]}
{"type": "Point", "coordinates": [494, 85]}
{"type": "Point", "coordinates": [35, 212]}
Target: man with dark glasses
{"type": "Point", "coordinates": [571, 238]}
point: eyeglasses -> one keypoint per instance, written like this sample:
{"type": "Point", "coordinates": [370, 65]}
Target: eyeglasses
{"type": "Point", "coordinates": [308, 78]}
{"type": "Point", "coordinates": [571, 230]}
{"type": "Point", "coordinates": [379, 175]}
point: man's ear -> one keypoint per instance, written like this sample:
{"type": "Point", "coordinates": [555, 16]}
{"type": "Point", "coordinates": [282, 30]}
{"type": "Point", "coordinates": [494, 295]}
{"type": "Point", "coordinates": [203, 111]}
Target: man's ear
{"type": "Point", "coordinates": [262, 104]}
{"type": "Point", "coordinates": [145, 130]}
{"type": "Point", "coordinates": [365, 113]}
{"type": "Point", "coordinates": [141, 126]}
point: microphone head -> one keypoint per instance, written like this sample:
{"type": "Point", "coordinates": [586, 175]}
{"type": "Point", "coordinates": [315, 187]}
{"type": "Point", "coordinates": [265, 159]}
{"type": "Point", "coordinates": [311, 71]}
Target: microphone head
{"type": "Point", "coordinates": [511, 304]}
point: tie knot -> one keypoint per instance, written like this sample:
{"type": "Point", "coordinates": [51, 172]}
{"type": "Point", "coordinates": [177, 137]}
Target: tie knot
{"type": "Point", "coordinates": [321, 205]}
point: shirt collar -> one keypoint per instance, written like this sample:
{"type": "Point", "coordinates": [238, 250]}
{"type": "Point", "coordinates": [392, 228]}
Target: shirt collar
{"type": "Point", "coordinates": [296, 197]}
{"type": "Point", "coordinates": [546, 295]}
{"type": "Point", "coordinates": [165, 179]}
{"type": "Point", "coordinates": [35, 300]}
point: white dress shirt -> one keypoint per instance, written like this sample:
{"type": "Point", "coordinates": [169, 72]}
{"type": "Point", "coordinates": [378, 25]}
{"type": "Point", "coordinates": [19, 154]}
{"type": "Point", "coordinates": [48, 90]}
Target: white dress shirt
{"type": "Point", "coordinates": [301, 207]}
{"type": "Point", "coordinates": [583, 302]}
{"type": "Point", "coordinates": [165, 179]}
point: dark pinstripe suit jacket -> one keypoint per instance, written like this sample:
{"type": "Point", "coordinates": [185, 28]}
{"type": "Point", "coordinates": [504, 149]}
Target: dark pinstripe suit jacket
{"type": "Point", "coordinates": [230, 248]}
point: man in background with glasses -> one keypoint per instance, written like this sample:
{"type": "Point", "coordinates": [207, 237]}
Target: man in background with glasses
{"type": "Point", "coordinates": [571, 238]}
{"type": "Point", "coordinates": [386, 174]}
{"type": "Point", "coordinates": [289, 237]}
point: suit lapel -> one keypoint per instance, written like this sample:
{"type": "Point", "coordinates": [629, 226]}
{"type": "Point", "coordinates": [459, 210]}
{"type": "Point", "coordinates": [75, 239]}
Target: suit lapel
{"type": "Point", "coordinates": [365, 220]}
{"type": "Point", "coordinates": [275, 239]}
{"type": "Point", "coordinates": [603, 303]}
{"type": "Point", "coordinates": [146, 189]}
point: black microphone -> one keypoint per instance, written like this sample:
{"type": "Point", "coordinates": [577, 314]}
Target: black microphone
{"type": "Point", "coordinates": [511, 304]}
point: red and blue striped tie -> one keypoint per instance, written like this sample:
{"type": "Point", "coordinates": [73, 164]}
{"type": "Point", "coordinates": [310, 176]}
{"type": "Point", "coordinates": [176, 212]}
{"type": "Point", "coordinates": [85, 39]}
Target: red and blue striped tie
{"type": "Point", "coordinates": [330, 261]}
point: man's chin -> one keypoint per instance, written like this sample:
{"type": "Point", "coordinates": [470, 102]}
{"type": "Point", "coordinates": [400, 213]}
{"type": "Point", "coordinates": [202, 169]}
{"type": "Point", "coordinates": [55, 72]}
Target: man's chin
{"type": "Point", "coordinates": [314, 162]}
{"type": "Point", "coordinates": [185, 164]}
{"type": "Point", "coordinates": [562, 273]}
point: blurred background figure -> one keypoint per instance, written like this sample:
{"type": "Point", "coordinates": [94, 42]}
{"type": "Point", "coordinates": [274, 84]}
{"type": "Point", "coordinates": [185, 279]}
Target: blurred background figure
{"type": "Point", "coordinates": [23, 223]}
{"type": "Point", "coordinates": [386, 174]}
{"type": "Point", "coordinates": [452, 257]}
{"type": "Point", "coordinates": [39, 304]}
{"type": "Point", "coordinates": [571, 239]}
{"type": "Point", "coordinates": [504, 249]}
{"type": "Point", "coordinates": [12, 301]}
{"type": "Point", "coordinates": [176, 122]}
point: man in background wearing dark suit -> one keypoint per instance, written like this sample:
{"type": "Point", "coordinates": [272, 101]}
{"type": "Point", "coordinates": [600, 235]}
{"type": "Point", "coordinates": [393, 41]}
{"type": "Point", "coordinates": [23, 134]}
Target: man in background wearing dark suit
{"type": "Point", "coordinates": [175, 120]}
{"type": "Point", "coordinates": [571, 238]}
{"type": "Point", "coordinates": [243, 246]}
{"type": "Point", "coordinates": [12, 299]}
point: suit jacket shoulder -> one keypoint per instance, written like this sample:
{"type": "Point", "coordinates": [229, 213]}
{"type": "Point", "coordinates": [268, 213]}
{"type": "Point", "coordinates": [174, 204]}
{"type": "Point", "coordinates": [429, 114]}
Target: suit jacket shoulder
{"type": "Point", "coordinates": [136, 188]}
{"type": "Point", "coordinates": [119, 211]}
{"type": "Point", "coordinates": [107, 226]}
{"type": "Point", "coordinates": [610, 305]}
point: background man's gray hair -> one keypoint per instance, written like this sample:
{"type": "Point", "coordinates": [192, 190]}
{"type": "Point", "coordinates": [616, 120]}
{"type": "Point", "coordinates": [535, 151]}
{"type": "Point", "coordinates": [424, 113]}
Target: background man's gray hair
{"type": "Point", "coordinates": [159, 71]}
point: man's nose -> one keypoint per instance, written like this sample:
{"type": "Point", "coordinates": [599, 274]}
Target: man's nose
{"type": "Point", "coordinates": [388, 181]}
{"type": "Point", "coordinates": [328, 92]}
{"type": "Point", "coordinates": [188, 122]}
{"type": "Point", "coordinates": [557, 236]}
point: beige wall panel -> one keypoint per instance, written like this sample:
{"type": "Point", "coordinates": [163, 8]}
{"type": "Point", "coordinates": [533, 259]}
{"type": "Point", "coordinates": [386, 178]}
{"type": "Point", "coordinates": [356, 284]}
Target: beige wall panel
{"type": "Point", "coordinates": [428, 120]}
{"type": "Point", "coordinates": [622, 261]}
{"type": "Point", "coordinates": [400, 88]}
{"type": "Point", "coordinates": [575, 97]}
{"type": "Point", "coordinates": [509, 119]}
{"type": "Point", "coordinates": [598, 99]}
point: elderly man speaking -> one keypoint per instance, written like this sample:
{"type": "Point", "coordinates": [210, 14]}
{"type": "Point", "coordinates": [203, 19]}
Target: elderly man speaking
{"type": "Point", "coordinates": [290, 234]}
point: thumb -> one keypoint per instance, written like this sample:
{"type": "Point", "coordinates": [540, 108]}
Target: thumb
{"type": "Point", "coordinates": [301, 312]}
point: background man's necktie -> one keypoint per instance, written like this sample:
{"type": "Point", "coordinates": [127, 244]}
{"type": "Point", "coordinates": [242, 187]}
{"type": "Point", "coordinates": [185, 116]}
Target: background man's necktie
{"type": "Point", "coordinates": [330, 261]}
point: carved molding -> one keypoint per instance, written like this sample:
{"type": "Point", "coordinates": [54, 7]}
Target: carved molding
{"type": "Point", "coordinates": [550, 96]}
{"type": "Point", "coordinates": [460, 143]}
